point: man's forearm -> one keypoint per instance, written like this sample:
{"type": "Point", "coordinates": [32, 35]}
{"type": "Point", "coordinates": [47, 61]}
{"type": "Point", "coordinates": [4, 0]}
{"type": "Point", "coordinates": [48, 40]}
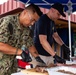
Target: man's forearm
{"type": "Point", "coordinates": [33, 51]}
{"type": "Point", "coordinates": [45, 44]}
{"type": "Point", "coordinates": [48, 48]}
{"type": "Point", "coordinates": [7, 49]}
{"type": "Point", "coordinates": [58, 39]}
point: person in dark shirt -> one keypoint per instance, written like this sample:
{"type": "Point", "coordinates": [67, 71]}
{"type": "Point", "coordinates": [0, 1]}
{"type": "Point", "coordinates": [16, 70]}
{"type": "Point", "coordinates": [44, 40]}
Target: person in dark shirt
{"type": "Point", "coordinates": [45, 33]}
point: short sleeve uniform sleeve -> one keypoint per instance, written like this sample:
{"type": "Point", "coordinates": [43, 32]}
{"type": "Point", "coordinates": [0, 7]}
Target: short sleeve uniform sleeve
{"type": "Point", "coordinates": [41, 27]}
{"type": "Point", "coordinates": [4, 33]}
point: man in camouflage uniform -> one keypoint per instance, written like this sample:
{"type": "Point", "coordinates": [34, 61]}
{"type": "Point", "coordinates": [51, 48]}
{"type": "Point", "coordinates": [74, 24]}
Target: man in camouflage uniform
{"type": "Point", "coordinates": [14, 32]}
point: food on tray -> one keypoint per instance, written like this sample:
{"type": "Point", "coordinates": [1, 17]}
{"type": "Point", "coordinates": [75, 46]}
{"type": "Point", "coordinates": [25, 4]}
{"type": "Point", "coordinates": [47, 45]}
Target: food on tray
{"type": "Point", "coordinates": [66, 64]}
{"type": "Point", "coordinates": [52, 65]}
{"type": "Point", "coordinates": [40, 69]}
{"type": "Point", "coordinates": [43, 68]}
{"type": "Point", "coordinates": [66, 72]}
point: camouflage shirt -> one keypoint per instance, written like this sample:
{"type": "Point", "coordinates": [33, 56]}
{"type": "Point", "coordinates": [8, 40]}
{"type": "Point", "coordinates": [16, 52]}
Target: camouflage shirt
{"type": "Point", "coordinates": [12, 33]}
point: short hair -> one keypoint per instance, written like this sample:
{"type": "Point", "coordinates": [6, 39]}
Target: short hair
{"type": "Point", "coordinates": [34, 8]}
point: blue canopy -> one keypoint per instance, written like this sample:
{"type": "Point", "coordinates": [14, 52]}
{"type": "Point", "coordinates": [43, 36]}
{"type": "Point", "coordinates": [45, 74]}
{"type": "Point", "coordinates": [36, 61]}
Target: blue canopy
{"type": "Point", "coordinates": [68, 4]}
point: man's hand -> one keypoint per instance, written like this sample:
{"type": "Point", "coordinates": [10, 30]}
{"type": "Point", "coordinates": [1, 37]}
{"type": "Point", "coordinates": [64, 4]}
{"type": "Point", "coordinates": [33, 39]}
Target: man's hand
{"type": "Point", "coordinates": [59, 59]}
{"type": "Point", "coordinates": [26, 57]}
{"type": "Point", "coordinates": [66, 52]}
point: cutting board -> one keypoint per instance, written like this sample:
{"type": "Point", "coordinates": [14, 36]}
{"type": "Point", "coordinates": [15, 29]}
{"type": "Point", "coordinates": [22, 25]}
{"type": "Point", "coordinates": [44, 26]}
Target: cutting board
{"type": "Point", "coordinates": [33, 72]}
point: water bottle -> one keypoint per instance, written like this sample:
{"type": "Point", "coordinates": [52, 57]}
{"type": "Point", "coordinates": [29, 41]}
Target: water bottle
{"type": "Point", "coordinates": [25, 49]}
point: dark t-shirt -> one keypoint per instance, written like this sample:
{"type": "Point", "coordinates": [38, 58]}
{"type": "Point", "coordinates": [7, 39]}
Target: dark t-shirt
{"type": "Point", "coordinates": [44, 26]}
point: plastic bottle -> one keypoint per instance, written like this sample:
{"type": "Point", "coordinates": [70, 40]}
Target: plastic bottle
{"type": "Point", "coordinates": [23, 47]}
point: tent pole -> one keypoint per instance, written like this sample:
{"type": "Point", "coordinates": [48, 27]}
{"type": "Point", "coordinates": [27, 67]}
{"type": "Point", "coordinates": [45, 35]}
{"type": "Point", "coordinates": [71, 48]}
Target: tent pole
{"type": "Point", "coordinates": [69, 25]}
